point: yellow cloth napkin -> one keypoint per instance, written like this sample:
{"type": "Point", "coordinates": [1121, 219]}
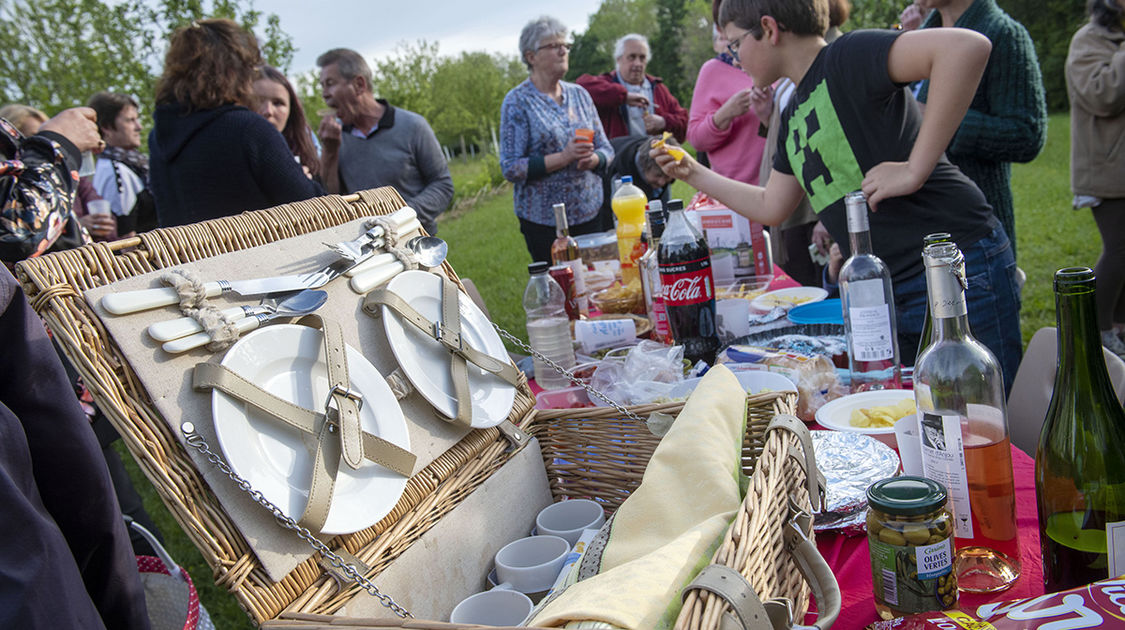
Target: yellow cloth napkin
{"type": "Point", "coordinates": [667, 530]}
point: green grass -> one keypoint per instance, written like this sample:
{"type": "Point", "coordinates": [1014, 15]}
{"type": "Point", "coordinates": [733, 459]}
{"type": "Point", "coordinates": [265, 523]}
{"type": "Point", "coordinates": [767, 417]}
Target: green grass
{"type": "Point", "coordinates": [1051, 235]}
{"type": "Point", "coordinates": [486, 246]}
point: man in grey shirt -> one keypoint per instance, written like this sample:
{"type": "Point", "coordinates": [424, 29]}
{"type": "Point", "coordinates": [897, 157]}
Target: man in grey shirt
{"type": "Point", "coordinates": [369, 143]}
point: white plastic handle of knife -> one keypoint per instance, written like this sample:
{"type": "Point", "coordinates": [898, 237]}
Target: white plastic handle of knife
{"type": "Point", "coordinates": [402, 216]}
{"type": "Point", "coordinates": [364, 282]}
{"type": "Point", "coordinates": [183, 344]}
{"type": "Point", "coordinates": [135, 301]}
{"type": "Point", "coordinates": [182, 326]}
{"type": "Point", "coordinates": [378, 260]}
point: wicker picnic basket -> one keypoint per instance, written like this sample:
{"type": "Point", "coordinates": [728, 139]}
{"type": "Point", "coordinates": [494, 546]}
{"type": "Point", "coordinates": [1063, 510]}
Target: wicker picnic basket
{"type": "Point", "coordinates": [591, 453]}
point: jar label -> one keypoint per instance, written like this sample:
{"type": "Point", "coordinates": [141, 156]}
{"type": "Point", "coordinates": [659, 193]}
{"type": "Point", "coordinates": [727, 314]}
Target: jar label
{"type": "Point", "coordinates": [687, 283]}
{"type": "Point", "coordinates": [913, 579]}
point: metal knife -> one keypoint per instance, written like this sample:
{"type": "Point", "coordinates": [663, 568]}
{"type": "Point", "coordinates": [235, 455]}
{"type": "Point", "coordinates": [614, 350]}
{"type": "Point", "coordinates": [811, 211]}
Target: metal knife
{"type": "Point", "coordinates": [134, 301]}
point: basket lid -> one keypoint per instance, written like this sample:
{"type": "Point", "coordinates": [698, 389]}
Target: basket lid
{"type": "Point", "coordinates": [906, 496]}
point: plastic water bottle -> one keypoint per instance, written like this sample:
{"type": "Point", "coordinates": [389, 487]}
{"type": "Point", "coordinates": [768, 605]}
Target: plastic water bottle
{"type": "Point", "coordinates": [548, 328]}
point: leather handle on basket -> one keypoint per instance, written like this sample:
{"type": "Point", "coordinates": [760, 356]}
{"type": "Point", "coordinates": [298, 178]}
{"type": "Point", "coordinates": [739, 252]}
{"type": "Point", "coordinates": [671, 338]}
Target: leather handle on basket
{"type": "Point", "coordinates": [749, 611]}
{"type": "Point", "coordinates": [812, 566]}
{"type": "Point", "coordinates": [815, 480]}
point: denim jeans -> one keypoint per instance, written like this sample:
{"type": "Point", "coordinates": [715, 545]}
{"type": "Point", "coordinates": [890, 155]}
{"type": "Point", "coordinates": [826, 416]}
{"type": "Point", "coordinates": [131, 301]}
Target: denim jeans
{"type": "Point", "coordinates": [993, 303]}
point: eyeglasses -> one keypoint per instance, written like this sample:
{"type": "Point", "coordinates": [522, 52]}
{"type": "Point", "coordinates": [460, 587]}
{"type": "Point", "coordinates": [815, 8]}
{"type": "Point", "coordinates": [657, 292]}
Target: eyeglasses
{"type": "Point", "coordinates": [556, 47]}
{"type": "Point", "coordinates": [734, 46]}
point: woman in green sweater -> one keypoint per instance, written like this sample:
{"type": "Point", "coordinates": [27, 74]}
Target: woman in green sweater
{"type": "Point", "coordinates": [1007, 120]}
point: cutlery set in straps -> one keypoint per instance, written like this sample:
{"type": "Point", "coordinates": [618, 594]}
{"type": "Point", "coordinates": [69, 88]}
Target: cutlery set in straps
{"type": "Point", "coordinates": [362, 260]}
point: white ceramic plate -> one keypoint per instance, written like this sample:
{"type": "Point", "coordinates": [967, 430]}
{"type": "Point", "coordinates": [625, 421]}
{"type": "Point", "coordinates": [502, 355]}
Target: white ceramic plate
{"type": "Point", "coordinates": [788, 298]}
{"type": "Point", "coordinates": [287, 360]}
{"type": "Point", "coordinates": [836, 414]}
{"type": "Point", "coordinates": [753, 381]}
{"type": "Point", "coordinates": [426, 362]}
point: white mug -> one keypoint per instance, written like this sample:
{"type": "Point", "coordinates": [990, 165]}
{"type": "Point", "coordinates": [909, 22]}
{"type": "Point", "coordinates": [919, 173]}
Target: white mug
{"type": "Point", "coordinates": [567, 519]}
{"type": "Point", "coordinates": [531, 564]}
{"type": "Point", "coordinates": [500, 606]}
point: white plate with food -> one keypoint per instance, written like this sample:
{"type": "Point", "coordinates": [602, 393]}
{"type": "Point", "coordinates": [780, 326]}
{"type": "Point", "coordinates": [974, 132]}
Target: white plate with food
{"type": "Point", "coordinates": [426, 362]}
{"type": "Point", "coordinates": [873, 413]}
{"type": "Point", "coordinates": [788, 298]}
{"type": "Point", "coordinates": [287, 360]}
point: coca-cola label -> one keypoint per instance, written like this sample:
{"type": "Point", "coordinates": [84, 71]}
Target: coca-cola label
{"type": "Point", "coordinates": [687, 283]}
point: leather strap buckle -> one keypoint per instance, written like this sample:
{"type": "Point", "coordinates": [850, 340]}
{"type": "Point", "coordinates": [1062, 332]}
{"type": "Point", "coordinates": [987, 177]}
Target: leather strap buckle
{"type": "Point", "coordinates": [346, 392]}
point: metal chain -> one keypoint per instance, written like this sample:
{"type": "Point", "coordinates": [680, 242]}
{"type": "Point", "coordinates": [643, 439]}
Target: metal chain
{"type": "Point", "coordinates": [565, 372]}
{"type": "Point", "coordinates": [196, 441]}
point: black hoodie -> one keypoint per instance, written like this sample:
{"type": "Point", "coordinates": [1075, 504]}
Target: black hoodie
{"type": "Point", "coordinates": [217, 162]}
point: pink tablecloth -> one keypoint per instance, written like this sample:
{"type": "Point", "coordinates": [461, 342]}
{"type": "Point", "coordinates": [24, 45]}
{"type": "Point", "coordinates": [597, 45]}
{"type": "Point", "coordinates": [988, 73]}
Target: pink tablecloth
{"type": "Point", "coordinates": [849, 559]}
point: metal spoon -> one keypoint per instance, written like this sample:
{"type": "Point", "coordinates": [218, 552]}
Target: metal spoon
{"type": "Point", "coordinates": [170, 329]}
{"type": "Point", "coordinates": [302, 303]}
{"type": "Point", "coordinates": [430, 251]}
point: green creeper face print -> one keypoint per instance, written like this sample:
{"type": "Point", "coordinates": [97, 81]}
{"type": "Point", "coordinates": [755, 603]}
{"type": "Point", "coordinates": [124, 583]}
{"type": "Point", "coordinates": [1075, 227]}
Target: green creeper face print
{"type": "Point", "coordinates": [819, 152]}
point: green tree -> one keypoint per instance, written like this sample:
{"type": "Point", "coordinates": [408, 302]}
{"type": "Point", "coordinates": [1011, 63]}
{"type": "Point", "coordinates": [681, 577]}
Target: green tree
{"type": "Point", "coordinates": [405, 77]}
{"type": "Point", "coordinates": [665, 45]}
{"type": "Point", "coordinates": [874, 14]}
{"type": "Point", "coordinates": [57, 53]}
{"type": "Point", "coordinates": [466, 93]}
{"type": "Point", "coordinates": [1051, 24]}
{"type": "Point", "coordinates": [593, 48]}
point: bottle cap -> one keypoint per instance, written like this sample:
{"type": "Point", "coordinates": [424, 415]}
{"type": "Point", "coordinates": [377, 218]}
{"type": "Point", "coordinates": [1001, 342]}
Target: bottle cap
{"type": "Point", "coordinates": [538, 268]}
{"type": "Point", "coordinates": [675, 204]}
{"type": "Point", "coordinates": [627, 179]}
{"type": "Point", "coordinates": [906, 496]}
{"type": "Point", "coordinates": [937, 237]}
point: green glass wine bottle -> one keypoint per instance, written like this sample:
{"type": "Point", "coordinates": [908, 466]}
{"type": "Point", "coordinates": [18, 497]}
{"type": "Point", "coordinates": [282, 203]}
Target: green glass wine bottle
{"type": "Point", "coordinates": [1080, 463]}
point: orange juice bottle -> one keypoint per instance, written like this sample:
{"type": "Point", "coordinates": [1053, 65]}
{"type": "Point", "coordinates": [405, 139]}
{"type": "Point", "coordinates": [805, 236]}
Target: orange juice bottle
{"type": "Point", "coordinates": [628, 205]}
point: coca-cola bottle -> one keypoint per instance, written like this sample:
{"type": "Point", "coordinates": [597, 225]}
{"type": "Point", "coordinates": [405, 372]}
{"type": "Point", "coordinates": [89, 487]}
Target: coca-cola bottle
{"type": "Point", "coordinates": [689, 290]}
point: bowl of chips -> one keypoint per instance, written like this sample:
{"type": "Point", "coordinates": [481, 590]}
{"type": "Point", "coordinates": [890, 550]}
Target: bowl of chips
{"type": "Point", "coordinates": [619, 298]}
{"type": "Point", "coordinates": [872, 413]}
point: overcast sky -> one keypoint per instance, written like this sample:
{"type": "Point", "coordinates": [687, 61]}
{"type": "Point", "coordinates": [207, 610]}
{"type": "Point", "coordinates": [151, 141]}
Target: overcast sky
{"type": "Point", "coordinates": [374, 28]}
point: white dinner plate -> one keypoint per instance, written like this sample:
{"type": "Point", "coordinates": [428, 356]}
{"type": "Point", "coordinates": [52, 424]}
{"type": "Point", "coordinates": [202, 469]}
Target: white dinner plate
{"type": "Point", "coordinates": [287, 361]}
{"type": "Point", "coordinates": [426, 362]}
{"type": "Point", "coordinates": [836, 414]}
{"type": "Point", "coordinates": [788, 298]}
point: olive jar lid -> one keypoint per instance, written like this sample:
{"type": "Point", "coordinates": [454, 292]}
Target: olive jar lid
{"type": "Point", "coordinates": [906, 496]}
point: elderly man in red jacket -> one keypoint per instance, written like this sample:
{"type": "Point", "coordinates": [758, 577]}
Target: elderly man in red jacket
{"type": "Point", "coordinates": [630, 102]}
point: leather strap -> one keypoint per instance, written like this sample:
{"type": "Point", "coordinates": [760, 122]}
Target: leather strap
{"type": "Point", "coordinates": [339, 434]}
{"type": "Point", "coordinates": [815, 481]}
{"type": "Point", "coordinates": [825, 588]}
{"type": "Point", "coordinates": [339, 383]}
{"type": "Point", "coordinates": [447, 331]}
{"type": "Point", "coordinates": [733, 588]}
{"type": "Point", "coordinates": [214, 376]}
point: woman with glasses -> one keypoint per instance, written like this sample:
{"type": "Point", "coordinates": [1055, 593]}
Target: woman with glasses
{"type": "Point", "coordinates": [541, 150]}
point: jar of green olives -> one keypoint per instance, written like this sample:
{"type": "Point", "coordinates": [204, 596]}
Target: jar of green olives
{"type": "Point", "coordinates": [910, 534]}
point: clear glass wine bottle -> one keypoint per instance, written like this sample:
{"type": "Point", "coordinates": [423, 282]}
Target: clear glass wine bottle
{"type": "Point", "coordinates": [964, 428]}
{"type": "Point", "coordinates": [867, 299]}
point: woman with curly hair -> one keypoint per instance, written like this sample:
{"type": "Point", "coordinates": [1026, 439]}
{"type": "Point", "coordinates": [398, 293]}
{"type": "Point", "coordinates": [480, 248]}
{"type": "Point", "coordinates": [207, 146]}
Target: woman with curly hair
{"type": "Point", "coordinates": [211, 154]}
{"type": "Point", "coordinates": [278, 103]}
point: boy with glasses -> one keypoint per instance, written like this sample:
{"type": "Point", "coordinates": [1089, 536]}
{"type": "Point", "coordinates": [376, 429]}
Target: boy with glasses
{"type": "Point", "coordinates": [852, 125]}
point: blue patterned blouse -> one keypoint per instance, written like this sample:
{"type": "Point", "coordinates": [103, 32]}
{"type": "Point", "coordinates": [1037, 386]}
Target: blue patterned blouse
{"type": "Point", "coordinates": [533, 125]}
